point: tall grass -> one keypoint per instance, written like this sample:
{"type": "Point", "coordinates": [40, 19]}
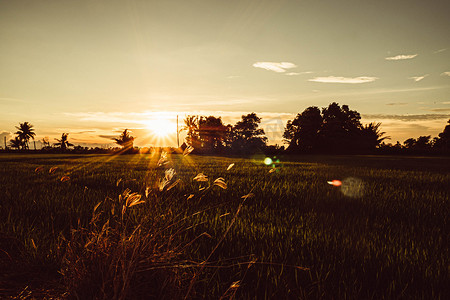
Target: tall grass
{"type": "Point", "coordinates": [389, 241]}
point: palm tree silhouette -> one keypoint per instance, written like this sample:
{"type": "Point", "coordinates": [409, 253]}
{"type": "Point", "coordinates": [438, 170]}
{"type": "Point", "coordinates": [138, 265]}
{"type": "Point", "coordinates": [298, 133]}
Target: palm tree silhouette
{"type": "Point", "coordinates": [192, 128]}
{"type": "Point", "coordinates": [125, 140]}
{"type": "Point", "coordinates": [25, 132]}
{"type": "Point", "coordinates": [63, 143]}
{"type": "Point", "coordinates": [16, 143]}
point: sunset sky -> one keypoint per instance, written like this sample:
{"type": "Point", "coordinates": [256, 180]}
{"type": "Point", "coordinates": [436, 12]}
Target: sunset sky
{"type": "Point", "coordinates": [94, 68]}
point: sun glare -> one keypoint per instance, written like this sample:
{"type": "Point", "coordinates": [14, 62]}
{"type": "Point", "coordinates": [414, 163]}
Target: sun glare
{"type": "Point", "coordinates": [161, 127]}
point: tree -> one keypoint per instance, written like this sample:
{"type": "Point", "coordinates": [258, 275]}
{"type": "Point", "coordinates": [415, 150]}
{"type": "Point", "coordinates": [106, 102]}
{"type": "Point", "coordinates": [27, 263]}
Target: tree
{"type": "Point", "coordinates": [443, 139]}
{"type": "Point", "coordinates": [211, 133]}
{"type": "Point", "coordinates": [421, 144]}
{"type": "Point", "coordinates": [63, 143]}
{"type": "Point", "coordinates": [302, 134]}
{"type": "Point", "coordinates": [334, 129]}
{"type": "Point", "coordinates": [409, 143]}
{"type": "Point", "coordinates": [192, 128]}
{"type": "Point", "coordinates": [125, 140]}
{"type": "Point", "coordinates": [45, 142]}
{"type": "Point", "coordinates": [340, 129]}
{"type": "Point", "coordinates": [25, 132]}
{"type": "Point", "coordinates": [246, 137]}
{"type": "Point", "coordinates": [16, 143]}
{"type": "Point", "coordinates": [371, 136]}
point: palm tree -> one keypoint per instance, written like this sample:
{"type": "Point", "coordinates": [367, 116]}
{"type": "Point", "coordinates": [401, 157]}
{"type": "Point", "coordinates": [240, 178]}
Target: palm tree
{"type": "Point", "coordinates": [16, 143]}
{"type": "Point", "coordinates": [372, 136]}
{"type": "Point", "coordinates": [125, 140]}
{"type": "Point", "coordinates": [63, 143]}
{"type": "Point", "coordinates": [192, 128]}
{"type": "Point", "coordinates": [25, 132]}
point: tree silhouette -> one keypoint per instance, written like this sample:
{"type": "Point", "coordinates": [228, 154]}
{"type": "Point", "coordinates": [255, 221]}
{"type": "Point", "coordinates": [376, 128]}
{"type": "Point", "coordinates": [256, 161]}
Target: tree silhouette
{"type": "Point", "coordinates": [46, 142]}
{"type": "Point", "coordinates": [443, 139]}
{"type": "Point", "coordinates": [302, 132]}
{"type": "Point", "coordinates": [63, 143]}
{"type": "Point", "coordinates": [25, 132]}
{"type": "Point", "coordinates": [125, 140]}
{"type": "Point", "coordinates": [211, 133]}
{"type": "Point", "coordinates": [192, 128]}
{"type": "Point", "coordinates": [16, 143]}
{"type": "Point", "coordinates": [340, 129]}
{"type": "Point", "coordinates": [334, 129]}
{"type": "Point", "coordinates": [246, 137]}
{"type": "Point", "coordinates": [371, 136]}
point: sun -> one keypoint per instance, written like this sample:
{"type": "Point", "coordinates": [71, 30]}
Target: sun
{"type": "Point", "coordinates": [161, 127]}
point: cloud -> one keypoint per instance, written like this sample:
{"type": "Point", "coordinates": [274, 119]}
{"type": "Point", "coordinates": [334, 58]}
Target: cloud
{"type": "Point", "coordinates": [441, 110]}
{"type": "Point", "coordinates": [401, 57]}
{"type": "Point", "coordinates": [109, 137]}
{"type": "Point", "coordinates": [295, 73]}
{"type": "Point", "coordinates": [397, 103]}
{"type": "Point", "coordinates": [418, 78]}
{"type": "Point", "coordinates": [446, 102]}
{"type": "Point", "coordinates": [335, 79]}
{"type": "Point", "coordinates": [280, 67]}
{"type": "Point", "coordinates": [85, 131]}
{"type": "Point", "coordinates": [440, 50]}
{"type": "Point", "coordinates": [445, 74]}
{"type": "Point", "coordinates": [407, 118]}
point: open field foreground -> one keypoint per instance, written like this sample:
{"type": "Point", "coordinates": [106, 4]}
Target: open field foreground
{"type": "Point", "coordinates": [66, 232]}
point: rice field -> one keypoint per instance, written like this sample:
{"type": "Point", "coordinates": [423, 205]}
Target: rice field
{"type": "Point", "coordinates": [307, 227]}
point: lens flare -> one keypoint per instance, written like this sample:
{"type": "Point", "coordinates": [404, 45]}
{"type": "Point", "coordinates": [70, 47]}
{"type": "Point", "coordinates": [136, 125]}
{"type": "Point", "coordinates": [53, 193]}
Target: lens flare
{"type": "Point", "coordinates": [352, 187]}
{"type": "Point", "coordinates": [268, 161]}
{"type": "Point", "coordinates": [335, 182]}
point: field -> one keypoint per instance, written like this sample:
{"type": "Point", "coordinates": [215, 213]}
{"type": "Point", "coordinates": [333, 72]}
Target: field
{"type": "Point", "coordinates": [382, 234]}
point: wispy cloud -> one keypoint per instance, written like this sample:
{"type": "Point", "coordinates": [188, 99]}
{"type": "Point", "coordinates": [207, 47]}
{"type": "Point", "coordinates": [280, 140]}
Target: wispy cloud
{"type": "Point", "coordinates": [406, 118]}
{"type": "Point", "coordinates": [440, 50]}
{"type": "Point", "coordinates": [295, 73]}
{"type": "Point", "coordinates": [440, 110]}
{"type": "Point", "coordinates": [335, 79]}
{"type": "Point", "coordinates": [279, 67]}
{"type": "Point", "coordinates": [446, 102]}
{"type": "Point", "coordinates": [401, 57]}
{"type": "Point", "coordinates": [418, 78]}
{"type": "Point", "coordinates": [445, 74]}
{"type": "Point", "coordinates": [397, 103]}
{"type": "Point", "coordinates": [106, 136]}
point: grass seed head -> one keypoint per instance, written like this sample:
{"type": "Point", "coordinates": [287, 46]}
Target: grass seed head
{"type": "Point", "coordinates": [230, 166]}
{"type": "Point", "coordinates": [188, 150]}
{"type": "Point", "coordinates": [169, 173]}
{"type": "Point", "coordinates": [201, 177]}
{"type": "Point", "coordinates": [65, 178]}
{"type": "Point", "coordinates": [220, 182]}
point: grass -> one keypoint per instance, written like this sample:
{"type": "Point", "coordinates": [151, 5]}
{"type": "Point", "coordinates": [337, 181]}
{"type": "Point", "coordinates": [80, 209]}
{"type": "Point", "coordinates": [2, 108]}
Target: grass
{"type": "Point", "coordinates": [297, 237]}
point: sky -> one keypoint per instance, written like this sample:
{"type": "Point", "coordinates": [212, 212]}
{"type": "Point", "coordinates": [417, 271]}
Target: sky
{"type": "Point", "coordinates": [94, 68]}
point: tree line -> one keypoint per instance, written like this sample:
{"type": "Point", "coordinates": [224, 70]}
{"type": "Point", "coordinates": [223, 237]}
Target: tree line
{"type": "Point", "coordinates": [331, 130]}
